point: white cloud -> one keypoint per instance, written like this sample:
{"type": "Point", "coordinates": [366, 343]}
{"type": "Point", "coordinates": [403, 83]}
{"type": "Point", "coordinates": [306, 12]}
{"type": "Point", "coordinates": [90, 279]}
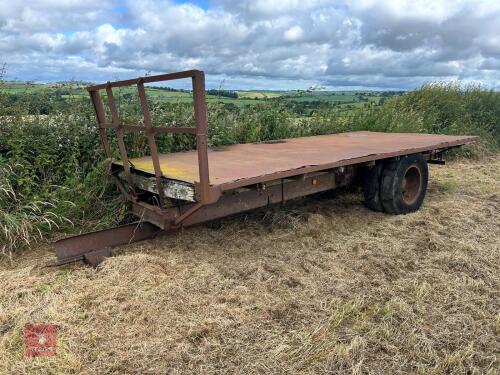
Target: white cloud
{"type": "Point", "coordinates": [53, 15]}
{"type": "Point", "coordinates": [278, 43]}
{"type": "Point", "coordinates": [294, 34]}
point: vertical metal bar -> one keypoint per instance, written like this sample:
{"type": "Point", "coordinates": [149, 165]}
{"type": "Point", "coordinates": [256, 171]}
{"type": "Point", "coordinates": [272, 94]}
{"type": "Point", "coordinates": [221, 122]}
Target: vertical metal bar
{"type": "Point", "coordinates": [151, 140]}
{"type": "Point", "coordinates": [200, 114]}
{"type": "Point", "coordinates": [100, 116]}
{"type": "Point", "coordinates": [115, 119]}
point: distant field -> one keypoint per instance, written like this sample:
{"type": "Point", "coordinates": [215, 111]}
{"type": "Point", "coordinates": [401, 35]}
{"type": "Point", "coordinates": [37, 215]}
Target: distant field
{"type": "Point", "coordinates": [260, 94]}
{"type": "Point", "coordinates": [250, 97]}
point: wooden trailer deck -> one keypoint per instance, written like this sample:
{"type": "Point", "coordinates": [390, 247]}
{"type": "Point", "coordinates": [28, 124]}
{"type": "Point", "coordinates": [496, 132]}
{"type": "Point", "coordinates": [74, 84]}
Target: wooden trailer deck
{"type": "Point", "coordinates": [245, 164]}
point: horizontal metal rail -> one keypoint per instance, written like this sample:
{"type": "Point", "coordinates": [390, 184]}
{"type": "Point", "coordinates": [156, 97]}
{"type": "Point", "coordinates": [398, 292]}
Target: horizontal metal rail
{"type": "Point", "coordinates": [148, 79]}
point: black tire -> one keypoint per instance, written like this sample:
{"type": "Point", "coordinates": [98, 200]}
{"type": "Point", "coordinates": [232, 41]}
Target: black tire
{"type": "Point", "coordinates": [404, 184]}
{"type": "Point", "coordinates": [371, 187]}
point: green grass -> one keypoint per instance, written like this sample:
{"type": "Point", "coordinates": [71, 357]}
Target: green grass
{"type": "Point", "coordinates": [331, 97]}
{"type": "Point", "coordinates": [245, 97]}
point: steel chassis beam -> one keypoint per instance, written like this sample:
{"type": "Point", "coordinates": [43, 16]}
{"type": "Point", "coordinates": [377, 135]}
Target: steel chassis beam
{"type": "Point", "coordinates": [240, 201]}
{"type": "Point", "coordinates": [93, 247]}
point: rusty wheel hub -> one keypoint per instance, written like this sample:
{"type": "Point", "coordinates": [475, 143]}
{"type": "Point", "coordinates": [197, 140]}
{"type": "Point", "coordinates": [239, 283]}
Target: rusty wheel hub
{"type": "Point", "coordinates": [411, 184]}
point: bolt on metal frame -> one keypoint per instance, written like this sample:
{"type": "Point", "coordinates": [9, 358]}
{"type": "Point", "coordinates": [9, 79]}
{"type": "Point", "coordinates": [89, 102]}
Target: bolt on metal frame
{"type": "Point", "coordinates": [204, 193]}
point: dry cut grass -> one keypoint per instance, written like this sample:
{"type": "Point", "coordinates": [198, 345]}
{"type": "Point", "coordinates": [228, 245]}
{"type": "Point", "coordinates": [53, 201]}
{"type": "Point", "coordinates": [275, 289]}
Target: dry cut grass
{"type": "Point", "coordinates": [320, 286]}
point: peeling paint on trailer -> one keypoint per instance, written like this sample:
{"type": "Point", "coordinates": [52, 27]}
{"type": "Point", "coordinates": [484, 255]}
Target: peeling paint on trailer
{"type": "Point", "coordinates": [171, 188]}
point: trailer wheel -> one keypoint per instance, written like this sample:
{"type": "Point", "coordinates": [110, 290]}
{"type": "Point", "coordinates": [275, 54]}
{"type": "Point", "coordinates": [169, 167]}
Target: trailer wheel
{"type": "Point", "coordinates": [404, 184]}
{"type": "Point", "coordinates": [371, 187]}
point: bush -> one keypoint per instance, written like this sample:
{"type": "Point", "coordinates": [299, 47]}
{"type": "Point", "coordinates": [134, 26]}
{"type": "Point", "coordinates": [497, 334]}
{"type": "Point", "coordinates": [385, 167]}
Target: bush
{"type": "Point", "coordinates": [22, 220]}
{"type": "Point", "coordinates": [53, 177]}
{"type": "Point", "coordinates": [445, 108]}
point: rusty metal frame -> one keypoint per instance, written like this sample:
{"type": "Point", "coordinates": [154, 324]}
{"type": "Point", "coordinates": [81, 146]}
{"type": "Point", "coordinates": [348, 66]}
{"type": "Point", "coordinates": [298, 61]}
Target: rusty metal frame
{"type": "Point", "coordinates": [204, 192]}
{"type": "Point", "coordinates": [237, 202]}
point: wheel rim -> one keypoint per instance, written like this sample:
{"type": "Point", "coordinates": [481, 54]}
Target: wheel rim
{"type": "Point", "coordinates": [412, 184]}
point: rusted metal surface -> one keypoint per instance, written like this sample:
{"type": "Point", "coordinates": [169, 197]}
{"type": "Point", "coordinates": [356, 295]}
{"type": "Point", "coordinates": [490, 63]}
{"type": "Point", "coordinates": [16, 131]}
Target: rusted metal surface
{"type": "Point", "coordinates": [78, 247]}
{"type": "Point", "coordinates": [154, 129]}
{"type": "Point", "coordinates": [119, 136]}
{"type": "Point", "coordinates": [245, 164]}
{"type": "Point", "coordinates": [96, 257]}
{"type": "Point", "coordinates": [200, 115]}
{"type": "Point", "coordinates": [148, 79]}
{"type": "Point", "coordinates": [100, 115]}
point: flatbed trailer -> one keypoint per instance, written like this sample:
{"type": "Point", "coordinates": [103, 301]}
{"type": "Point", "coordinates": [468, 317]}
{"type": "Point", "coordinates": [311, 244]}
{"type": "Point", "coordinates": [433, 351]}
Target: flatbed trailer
{"type": "Point", "coordinates": [175, 190]}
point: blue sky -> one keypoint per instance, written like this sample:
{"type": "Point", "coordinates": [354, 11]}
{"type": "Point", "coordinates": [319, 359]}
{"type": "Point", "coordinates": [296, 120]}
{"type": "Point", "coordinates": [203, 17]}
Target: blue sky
{"type": "Point", "coordinates": [205, 4]}
{"type": "Point", "coordinates": [261, 44]}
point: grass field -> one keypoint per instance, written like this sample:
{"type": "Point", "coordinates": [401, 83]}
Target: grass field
{"type": "Point", "coordinates": [260, 94]}
{"type": "Point", "coordinates": [321, 285]}
{"type": "Point", "coordinates": [250, 97]}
